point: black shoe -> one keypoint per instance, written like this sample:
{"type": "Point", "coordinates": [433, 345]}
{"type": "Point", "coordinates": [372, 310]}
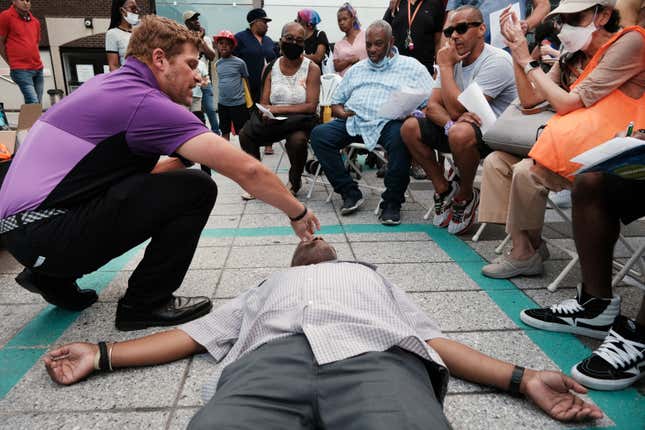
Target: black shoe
{"type": "Point", "coordinates": [585, 315]}
{"type": "Point", "coordinates": [380, 173]}
{"type": "Point", "coordinates": [177, 310]}
{"type": "Point", "coordinates": [618, 362]}
{"type": "Point", "coordinates": [390, 213]}
{"type": "Point", "coordinates": [351, 202]}
{"type": "Point", "coordinates": [63, 294]}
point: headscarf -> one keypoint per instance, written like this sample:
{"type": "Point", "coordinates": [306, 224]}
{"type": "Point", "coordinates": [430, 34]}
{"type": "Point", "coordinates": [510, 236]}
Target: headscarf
{"type": "Point", "coordinates": [349, 8]}
{"type": "Point", "coordinates": [309, 16]}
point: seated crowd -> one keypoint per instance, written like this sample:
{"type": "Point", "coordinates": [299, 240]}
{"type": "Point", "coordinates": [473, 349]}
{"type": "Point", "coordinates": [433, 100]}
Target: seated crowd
{"type": "Point", "coordinates": [282, 332]}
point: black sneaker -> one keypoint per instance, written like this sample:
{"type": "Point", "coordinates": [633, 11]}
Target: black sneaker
{"type": "Point", "coordinates": [585, 315]}
{"type": "Point", "coordinates": [61, 293]}
{"type": "Point", "coordinates": [390, 213]}
{"type": "Point", "coordinates": [177, 310]}
{"type": "Point", "coordinates": [618, 362]}
{"type": "Point", "coordinates": [382, 171]}
{"type": "Point", "coordinates": [351, 202]}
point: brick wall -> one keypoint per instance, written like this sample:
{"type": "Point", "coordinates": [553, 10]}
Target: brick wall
{"type": "Point", "coordinates": [72, 8]}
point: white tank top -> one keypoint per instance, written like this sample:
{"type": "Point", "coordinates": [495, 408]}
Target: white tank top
{"type": "Point", "coordinates": [289, 90]}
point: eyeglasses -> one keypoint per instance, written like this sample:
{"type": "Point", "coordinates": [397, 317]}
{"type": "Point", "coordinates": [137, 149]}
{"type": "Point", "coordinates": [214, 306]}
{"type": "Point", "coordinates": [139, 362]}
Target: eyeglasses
{"type": "Point", "coordinates": [460, 28]}
{"type": "Point", "coordinates": [290, 39]}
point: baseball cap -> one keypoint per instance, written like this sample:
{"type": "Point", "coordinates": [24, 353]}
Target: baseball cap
{"type": "Point", "coordinates": [575, 6]}
{"type": "Point", "coordinates": [225, 34]}
{"type": "Point", "coordinates": [190, 14]}
{"type": "Point", "coordinates": [255, 14]}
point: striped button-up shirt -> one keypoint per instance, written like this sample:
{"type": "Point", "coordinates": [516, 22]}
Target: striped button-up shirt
{"type": "Point", "coordinates": [365, 88]}
{"type": "Point", "coordinates": [343, 308]}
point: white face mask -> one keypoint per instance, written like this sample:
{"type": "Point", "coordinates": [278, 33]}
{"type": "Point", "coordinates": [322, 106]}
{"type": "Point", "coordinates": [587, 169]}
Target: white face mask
{"type": "Point", "coordinates": [132, 18]}
{"type": "Point", "coordinates": [577, 38]}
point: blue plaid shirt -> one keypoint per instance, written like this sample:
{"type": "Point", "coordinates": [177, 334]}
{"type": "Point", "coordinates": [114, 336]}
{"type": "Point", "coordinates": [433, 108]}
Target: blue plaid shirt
{"type": "Point", "coordinates": [365, 88]}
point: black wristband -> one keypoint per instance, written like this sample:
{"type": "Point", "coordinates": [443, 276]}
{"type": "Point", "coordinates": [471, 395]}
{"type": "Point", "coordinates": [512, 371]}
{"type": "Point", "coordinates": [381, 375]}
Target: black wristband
{"type": "Point", "coordinates": [516, 380]}
{"type": "Point", "coordinates": [104, 361]}
{"type": "Point", "coordinates": [299, 217]}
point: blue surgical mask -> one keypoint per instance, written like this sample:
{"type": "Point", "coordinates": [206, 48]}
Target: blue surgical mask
{"type": "Point", "coordinates": [384, 62]}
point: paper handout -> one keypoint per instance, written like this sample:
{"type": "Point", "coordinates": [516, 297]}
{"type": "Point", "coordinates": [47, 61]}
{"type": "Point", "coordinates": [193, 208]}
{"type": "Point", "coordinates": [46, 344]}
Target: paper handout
{"type": "Point", "coordinates": [268, 113]}
{"type": "Point", "coordinates": [496, 38]}
{"type": "Point", "coordinates": [401, 103]}
{"type": "Point", "coordinates": [473, 99]}
{"type": "Point", "coordinates": [622, 156]}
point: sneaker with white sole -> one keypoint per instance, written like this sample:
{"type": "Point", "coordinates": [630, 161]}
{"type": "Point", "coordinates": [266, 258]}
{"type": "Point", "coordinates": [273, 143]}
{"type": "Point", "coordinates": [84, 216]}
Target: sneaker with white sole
{"type": "Point", "coordinates": [463, 214]}
{"type": "Point", "coordinates": [443, 205]}
{"type": "Point", "coordinates": [505, 267]}
{"type": "Point", "coordinates": [618, 362]}
{"type": "Point", "coordinates": [585, 315]}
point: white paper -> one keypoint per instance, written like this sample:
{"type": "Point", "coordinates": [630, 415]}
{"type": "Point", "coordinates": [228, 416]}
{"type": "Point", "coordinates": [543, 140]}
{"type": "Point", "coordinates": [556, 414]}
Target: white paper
{"type": "Point", "coordinates": [474, 101]}
{"type": "Point", "coordinates": [607, 150]}
{"type": "Point", "coordinates": [401, 103]}
{"type": "Point", "coordinates": [84, 72]}
{"type": "Point", "coordinates": [268, 113]}
{"type": "Point", "coordinates": [496, 38]}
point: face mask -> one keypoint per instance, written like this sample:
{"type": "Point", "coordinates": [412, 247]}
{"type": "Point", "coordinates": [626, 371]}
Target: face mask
{"type": "Point", "coordinates": [576, 38]}
{"type": "Point", "coordinates": [292, 50]}
{"type": "Point", "coordinates": [132, 18]}
{"type": "Point", "coordinates": [381, 64]}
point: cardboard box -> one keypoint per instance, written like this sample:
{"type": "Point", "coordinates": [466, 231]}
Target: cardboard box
{"type": "Point", "coordinates": [29, 114]}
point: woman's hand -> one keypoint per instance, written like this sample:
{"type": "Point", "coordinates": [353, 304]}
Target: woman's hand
{"type": "Point", "coordinates": [514, 36]}
{"type": "Point", "coordinates": [71, 363]}
{"type": "Point", "coordinates": [551, 391]}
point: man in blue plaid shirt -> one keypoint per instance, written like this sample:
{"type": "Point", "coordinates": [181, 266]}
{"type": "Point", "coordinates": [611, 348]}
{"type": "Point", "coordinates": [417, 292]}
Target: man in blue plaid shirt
{"type": "Point", "coordinates": [355, 106]}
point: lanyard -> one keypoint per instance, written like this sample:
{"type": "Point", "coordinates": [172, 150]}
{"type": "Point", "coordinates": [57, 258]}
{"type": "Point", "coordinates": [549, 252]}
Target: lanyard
{"type": "Point", "coordinates": [414, 15]}
{"type": "Point", "coordinates": [408, 40]}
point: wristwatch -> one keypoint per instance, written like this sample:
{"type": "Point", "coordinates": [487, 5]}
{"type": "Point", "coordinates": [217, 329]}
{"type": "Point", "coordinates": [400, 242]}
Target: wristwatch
{"type": "Point", "coordinates": [447, 125]}
{"type": "Point", "coordinates": [530, 66]}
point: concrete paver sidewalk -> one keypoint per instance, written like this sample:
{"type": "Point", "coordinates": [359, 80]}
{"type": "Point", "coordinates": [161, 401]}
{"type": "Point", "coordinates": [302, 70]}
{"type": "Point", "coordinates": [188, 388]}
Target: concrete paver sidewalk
{"type": "Point", "coordinates": [245, 241]}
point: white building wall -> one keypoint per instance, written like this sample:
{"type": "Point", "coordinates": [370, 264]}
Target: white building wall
{"type": "Point", "coordinates": [11, 96]}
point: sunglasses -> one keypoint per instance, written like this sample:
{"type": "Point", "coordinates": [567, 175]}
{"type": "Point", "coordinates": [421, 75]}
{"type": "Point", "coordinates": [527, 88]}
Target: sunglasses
{"type": "Point", "coordinates": [574, 19]}
{"type": "Point", "coordinates": [460, 28]}
{"type": "Point", "coordinates": [290, 39]}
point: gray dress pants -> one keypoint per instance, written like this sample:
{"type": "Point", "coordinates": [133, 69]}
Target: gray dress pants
{"type": "Point", "coordinates": [280, 386]}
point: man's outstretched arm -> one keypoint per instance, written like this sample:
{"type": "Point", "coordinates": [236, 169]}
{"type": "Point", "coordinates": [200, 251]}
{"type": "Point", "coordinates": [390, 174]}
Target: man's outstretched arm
{"type": "Point", "coordinates": [551, 391]}
{"type": "Point", "coordinates": [75, 361]}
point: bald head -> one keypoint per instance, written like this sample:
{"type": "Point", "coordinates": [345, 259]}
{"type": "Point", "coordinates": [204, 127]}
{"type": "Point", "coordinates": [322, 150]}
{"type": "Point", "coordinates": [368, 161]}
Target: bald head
{"type": "Point", "coordinates": [293, 27]}
{"type": "Point", "coordinates": [313, 252]}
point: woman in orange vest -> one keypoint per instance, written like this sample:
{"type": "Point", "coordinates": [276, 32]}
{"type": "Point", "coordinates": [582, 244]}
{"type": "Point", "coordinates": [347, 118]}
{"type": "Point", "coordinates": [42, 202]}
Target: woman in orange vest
{"type": "Point", "coordinates": [596, 89]}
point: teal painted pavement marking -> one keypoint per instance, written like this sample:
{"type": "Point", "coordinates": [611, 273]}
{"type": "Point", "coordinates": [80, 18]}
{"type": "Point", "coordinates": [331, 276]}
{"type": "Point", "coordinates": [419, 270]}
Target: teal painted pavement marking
{"type": "Point", "coordinates": [626, 408]}
{"type": "Point", "coordinates": [27, 346]}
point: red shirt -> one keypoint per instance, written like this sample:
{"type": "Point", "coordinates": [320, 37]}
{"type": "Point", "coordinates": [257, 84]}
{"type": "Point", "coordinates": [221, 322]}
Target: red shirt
{"type": "Point", "coordinates": [22, 37]}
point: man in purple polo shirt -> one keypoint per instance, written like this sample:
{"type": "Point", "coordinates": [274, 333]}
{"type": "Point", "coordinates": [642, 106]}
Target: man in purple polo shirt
{"type": "Point", "coordinates": [87, 184]}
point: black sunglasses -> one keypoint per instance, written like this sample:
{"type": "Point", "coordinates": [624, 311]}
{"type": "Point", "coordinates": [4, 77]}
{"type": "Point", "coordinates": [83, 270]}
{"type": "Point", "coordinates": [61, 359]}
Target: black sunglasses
{"type": "Point", "coordinates": [460, 28]}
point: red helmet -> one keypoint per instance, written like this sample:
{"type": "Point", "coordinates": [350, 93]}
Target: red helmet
{"type": "Point", "coordinates": [225, 34]}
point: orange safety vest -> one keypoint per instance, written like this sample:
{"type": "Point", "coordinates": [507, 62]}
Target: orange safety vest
{"type": "Point", "coordinates": [566, 136]}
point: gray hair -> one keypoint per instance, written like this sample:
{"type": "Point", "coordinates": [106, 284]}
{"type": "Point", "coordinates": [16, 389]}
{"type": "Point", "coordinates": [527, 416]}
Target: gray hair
{"type": "Point", "coordinates": [381, 25]}
{"type": "Point", "coordinates": [287, 26]}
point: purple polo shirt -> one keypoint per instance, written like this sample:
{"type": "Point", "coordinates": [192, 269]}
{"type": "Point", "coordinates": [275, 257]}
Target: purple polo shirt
{"type": "Point", "coordinates": [114, 126]}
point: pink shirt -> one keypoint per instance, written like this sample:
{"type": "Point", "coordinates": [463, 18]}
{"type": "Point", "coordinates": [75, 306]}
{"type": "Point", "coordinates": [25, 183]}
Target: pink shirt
{"type": "Point", "coordinates": [344, 50]}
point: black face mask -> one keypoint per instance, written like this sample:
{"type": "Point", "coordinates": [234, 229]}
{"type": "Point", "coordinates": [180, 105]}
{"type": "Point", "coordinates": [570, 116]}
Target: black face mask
{"type": "Point", "coordinates": [292, 50]}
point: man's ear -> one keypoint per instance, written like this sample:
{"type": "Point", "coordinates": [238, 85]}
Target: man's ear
{"type": "Point", "coordinates": [482, 30]}
{"type": "Point", "coordinates": [159, 60]}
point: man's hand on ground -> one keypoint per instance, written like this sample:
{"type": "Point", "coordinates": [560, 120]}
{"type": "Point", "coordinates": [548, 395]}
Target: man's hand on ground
{"type": "Point", "coordinates": [71, 363]}
{"type": "Point", "coordinates": [307, 226]}
{"type": "Point", "coordinates": [551, 391]}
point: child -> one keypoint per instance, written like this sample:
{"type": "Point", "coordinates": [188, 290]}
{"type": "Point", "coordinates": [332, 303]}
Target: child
{"type": "Point", "coordinates": [196, 106]}
{"type": "Point", "coordinates": [231, 71]}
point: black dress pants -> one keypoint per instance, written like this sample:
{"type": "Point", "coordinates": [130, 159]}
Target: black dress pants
{"type": "Point", "coordinates": [169, 208]}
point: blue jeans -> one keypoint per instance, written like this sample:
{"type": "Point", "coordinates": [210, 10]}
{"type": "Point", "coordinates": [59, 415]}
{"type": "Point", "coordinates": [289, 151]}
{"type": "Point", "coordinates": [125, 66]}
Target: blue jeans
{"type": "Point", "coordinates": [328, 139]}
{"type": "Point", "coordinates": [208, 107]}
{"type": "Point", "coordinates": [31, 83]}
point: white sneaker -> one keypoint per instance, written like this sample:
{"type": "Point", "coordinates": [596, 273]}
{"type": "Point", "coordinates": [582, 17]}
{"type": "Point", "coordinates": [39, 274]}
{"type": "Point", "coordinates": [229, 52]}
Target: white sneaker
{"type": "Point", "coordinates": [443, 205]}
{"type": "Point", "coordinates": [463, 214]}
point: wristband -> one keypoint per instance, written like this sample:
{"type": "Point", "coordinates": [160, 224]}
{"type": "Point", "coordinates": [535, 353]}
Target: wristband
{"type": "Point", "coordinates": [516, 380]}
{"type": "Point", "coordinates": [104, 363]}
{"type": "Point", "coordinates": [447, 126]}
{"type": "Point", "coordinates": [299, 217]}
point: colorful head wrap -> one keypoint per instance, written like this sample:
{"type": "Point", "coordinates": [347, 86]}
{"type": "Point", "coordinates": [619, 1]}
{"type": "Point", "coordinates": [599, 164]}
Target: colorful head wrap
{"type": "Point", "coordinates": [309, 16]}
{"type": "Point", "coordinates": [349, 8]}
